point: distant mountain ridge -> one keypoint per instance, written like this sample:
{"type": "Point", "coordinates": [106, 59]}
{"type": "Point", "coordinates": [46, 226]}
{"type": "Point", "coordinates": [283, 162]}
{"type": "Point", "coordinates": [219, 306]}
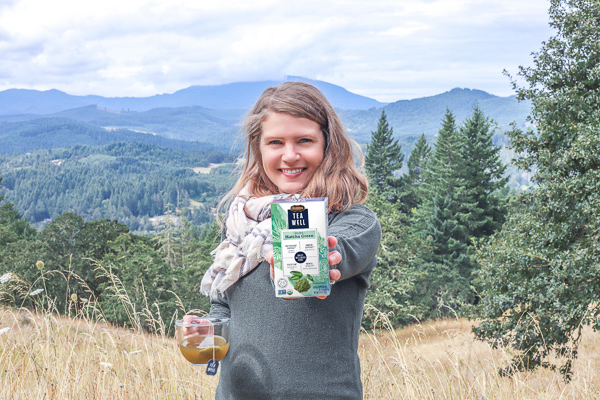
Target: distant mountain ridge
{"type": "Point", "coordinates": [238, 95]}
{"type": "Point", "coordinates": [220, 126]}
{"type": "Point", "coordinates": [60, 132]}
{"type": "Point", "coordinates": [424, 115]}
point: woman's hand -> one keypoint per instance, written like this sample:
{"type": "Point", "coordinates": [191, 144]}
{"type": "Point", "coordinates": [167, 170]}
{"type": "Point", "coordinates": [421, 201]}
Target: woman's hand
{"type": "Point", "coordinates": [334, 258]}
{"type": "Point", "coordinates": [194, 331]}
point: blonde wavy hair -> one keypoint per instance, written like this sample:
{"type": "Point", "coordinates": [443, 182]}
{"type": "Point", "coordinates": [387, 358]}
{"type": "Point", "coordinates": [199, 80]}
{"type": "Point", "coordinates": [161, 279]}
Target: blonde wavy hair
{"type": "Point", "coordinates": [337, 177]}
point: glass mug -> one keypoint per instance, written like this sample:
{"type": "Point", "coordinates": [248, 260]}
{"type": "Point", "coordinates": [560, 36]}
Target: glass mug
{"type": "Point", "coordinates": [202, 339]}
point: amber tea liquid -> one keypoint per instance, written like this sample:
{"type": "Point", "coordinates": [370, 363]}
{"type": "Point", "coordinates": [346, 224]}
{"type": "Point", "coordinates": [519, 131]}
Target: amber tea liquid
{"type": "Point", "coordinates": [197, 352]}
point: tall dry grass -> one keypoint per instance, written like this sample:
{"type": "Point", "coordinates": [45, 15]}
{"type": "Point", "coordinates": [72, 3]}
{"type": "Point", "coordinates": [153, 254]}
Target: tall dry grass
{"type": "Point", "coordinates": [45, 356]}
{"type": "Point", "coordinates": [441, 360]}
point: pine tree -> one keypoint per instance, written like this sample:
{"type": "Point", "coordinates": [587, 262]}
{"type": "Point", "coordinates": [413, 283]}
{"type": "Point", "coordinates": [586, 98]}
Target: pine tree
{"type": "Point", "coordinates": [445, 176]}
{"type": "Point", "coordinates": [384, 156]}
{"type": "Point", "coordinates": [449, 264]}
{"type": "Point", "coordinates": [445, 218]}
{"type": "Point", "coordinates": [414, 180]}
{"type": "Point", "coordinates": [167, 240]}
{"type": "Point", "coordinates": [484, 174]}
{"type": "Point", "coordinates": [440, 174]}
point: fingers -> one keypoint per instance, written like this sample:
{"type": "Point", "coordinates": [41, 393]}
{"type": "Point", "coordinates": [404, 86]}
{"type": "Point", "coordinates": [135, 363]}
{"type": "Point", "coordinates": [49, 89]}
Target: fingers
{"type": "Point", "coordinates": [334, 275]}
{"type": "Point", "coordinates": [334, 257]}
{"type": "Point", "coordinates": [200, 330]}
{"type": "Point", "coordinates": [332, 241]}
{"type": "Point", "coordinates": [271, 261]}
{"type": "Point", "coordinates": [191, 319]}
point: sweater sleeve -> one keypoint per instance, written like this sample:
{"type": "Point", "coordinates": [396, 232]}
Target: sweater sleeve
{"type": "Point", "coordinates": [358, 233]}
{"type": "Point", "coordinates": [219, 307]}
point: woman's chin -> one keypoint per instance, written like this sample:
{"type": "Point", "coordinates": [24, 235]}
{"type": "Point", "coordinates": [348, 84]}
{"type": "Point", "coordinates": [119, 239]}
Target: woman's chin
{"type": "Point", "coordinates": [291, 187]}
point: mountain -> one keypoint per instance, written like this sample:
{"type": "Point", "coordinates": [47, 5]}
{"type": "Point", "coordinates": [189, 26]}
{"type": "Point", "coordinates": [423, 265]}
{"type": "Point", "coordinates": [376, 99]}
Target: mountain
{"type": "Point", "coordinates": [60, 132]}
{"type": "Point", "coordinates": [220, 126]}
{"type": "Point", "coordinates": [24, 101]}
{"type": "Point", "coordinates": [239, 95]}
{"type": "Point", "coordinates": [424, 115]}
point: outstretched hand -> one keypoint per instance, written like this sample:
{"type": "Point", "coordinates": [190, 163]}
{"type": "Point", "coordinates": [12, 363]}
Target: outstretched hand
{"type": "Point", "coordinates": [334, 258]}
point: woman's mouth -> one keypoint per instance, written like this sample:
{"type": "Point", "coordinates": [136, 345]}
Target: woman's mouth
{"type": "Point", "coordinates": [292, 172]}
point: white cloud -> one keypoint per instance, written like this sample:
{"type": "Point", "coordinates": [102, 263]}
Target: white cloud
{"type": "Point", "coordinates": [382, 48]}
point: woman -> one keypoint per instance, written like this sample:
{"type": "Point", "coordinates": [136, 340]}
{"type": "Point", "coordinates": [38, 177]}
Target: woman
{"type": "Point", "coordinates": [293, 348]}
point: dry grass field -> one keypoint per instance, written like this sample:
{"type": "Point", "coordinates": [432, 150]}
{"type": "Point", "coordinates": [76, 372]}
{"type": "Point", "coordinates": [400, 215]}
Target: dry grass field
{"type": "Point", "coordinates": [43, 356]}
{"type": "Point", "coordinates": [441, 360]}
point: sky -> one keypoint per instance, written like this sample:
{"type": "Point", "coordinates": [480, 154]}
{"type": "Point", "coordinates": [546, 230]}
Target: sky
{"type": "Point", "coordinates": [388, 50]}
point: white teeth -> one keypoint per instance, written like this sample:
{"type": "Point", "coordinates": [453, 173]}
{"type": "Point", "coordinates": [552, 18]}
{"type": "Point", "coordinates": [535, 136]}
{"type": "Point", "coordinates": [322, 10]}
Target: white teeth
{"type": "Point", "coordinates": [292, 171]}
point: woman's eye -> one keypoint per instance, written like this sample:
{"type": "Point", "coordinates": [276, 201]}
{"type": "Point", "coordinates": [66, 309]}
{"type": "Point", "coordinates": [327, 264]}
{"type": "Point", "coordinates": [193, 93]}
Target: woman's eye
{"type": "Point", "coordinates": [305, 140]}
{"type": "Point", "coordinates": [274, 142]}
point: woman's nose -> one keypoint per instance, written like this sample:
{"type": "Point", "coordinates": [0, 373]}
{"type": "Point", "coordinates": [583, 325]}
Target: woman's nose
{"type": "Point", "coordinates": [290, 153]}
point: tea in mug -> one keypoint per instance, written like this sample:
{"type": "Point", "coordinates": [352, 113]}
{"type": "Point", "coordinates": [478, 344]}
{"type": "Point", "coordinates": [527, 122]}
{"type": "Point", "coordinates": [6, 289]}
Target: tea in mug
{"type": "Point", "coordinates": [200, 350]}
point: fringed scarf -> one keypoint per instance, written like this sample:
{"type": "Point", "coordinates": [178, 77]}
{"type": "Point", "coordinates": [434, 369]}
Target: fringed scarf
{"type": "Point", "coordinates": [247, 242]}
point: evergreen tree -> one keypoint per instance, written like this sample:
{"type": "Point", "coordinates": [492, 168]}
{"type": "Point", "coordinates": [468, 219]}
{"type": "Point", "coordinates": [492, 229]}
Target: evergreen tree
{"type": "Point", "coordinates": [440, 173]}
{"type": "Point", "coordinates": [168, 241]}
{"type": "Point", "coordinates": [199, 259]}
{"type": "Point", "coordinates": [449, 265]}
{"type": "Point", "coordinates": [384, 156]}
{"type": "Point", "coordinates": [484, 174]}
{"type": "Point", "coordinates": [445, 176]}
{"type": "Point", "coordinates": [416, 164]}
{"type": "Point", "coordinates": [397, 282]}
{"type": "Point", "coordinates": [540, 276]}
{"type": "Point", "coordinates": [15, 233]}
{"type": "Point", "coordinates": [12, 226]}
{"type": "Point", "coordinates": [445, 217]}
{"type": "Point", "coordinates": [137, 283]}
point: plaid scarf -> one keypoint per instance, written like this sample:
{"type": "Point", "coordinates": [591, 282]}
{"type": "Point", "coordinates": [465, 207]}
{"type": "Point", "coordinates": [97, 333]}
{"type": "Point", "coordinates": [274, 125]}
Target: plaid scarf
{"type": "Point", "coordinates": [247, 242]}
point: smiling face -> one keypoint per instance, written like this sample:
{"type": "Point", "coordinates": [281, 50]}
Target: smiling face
{"type": "Point", "coordinates": [291, 149]}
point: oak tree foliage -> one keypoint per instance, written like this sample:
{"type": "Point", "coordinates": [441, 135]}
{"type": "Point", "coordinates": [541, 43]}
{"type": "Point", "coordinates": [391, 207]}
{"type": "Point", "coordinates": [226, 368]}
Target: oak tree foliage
{"type": "Point", "coordinates": [540, 275]}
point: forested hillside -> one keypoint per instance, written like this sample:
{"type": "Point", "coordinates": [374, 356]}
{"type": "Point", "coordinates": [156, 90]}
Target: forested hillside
{"type": "Point", "coordinates": [130, 182]}
{"type": "Point", "coordinates": [177, 129]}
